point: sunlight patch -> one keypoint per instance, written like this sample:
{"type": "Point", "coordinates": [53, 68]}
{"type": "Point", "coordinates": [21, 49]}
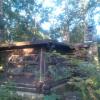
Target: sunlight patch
{"type": "Point", "coordinates": [58, 11]}
{"type": "Point", "coordinates": [46, 26]}
{"type": "Point", "coordinates": [48, 3]}
{"type": "Point", "coordinates": [98, 29]}
{"type": "Point", "coordinates": [22, 13]}
{"type": "Point", "coordinates": [37, 17]}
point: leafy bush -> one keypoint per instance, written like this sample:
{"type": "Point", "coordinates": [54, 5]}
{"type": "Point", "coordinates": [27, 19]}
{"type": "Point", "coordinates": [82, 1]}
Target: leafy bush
{"type": "Point", "coordinates": [89, 85]}
{"type": "Point", "coordinates": [7, 94]}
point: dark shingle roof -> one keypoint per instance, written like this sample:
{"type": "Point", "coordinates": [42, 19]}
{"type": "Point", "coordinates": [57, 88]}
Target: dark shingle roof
{"type": "Point", "coordinates": [47, 44]}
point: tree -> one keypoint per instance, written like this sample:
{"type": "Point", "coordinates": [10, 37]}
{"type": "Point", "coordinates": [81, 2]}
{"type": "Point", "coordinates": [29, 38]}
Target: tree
{"type": "Point", "coordinates": [23, 17]}
{"type": "Point", "coordinates": [19, 22]}
{"type": "Point", "coordinates": [1, 21]}
{"type": "Point", "coordinates": [77, 34]}
{"type": "Point", "coordinates": [82, 28]}
{"type": "Point", "coordinates": [74, 16]}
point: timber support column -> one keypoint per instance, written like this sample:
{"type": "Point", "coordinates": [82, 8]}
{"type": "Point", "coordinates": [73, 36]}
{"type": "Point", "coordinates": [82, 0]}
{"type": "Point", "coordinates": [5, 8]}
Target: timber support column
{"type": "Point", "coordinates": [42, 65]}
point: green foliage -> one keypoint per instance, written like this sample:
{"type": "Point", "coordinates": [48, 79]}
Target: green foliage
{"type": "Point", "coordinates": [77, 34]}
{"type": "Point", "coordinates": [2, 23]}
{"type": "Point", "coordinates": [18, 26]}
{"type": "Point", "coordinates": [51, 97]}
{"type": "Point", "coordinates": [59, 70]}
{"type": "Point", "coordinates": [89, 82]}
{"type": "Point", "coordinates": [6, 93]}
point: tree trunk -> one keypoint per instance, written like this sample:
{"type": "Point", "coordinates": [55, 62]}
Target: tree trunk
{"type": "Point", "coordinates": [1, 20]}
{"type": "Point", "coordinates": [66, 37]}
{"type": "Point", "coordinates": [66, 34]}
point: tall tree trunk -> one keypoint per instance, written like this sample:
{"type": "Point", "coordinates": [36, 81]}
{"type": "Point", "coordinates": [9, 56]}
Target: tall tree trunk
{"type": "Point", "coordinates": [84, 9]}
{"type": "Point", "coordinates": [66, 37]}
{"type": "Point", "coordinates": [1, 20]}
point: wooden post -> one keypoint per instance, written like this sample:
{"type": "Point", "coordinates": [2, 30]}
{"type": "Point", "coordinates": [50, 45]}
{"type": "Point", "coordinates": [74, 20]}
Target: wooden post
{"type": "Point", "coordinates": [42, 65]}
{"type": "Point", "coordinates": [41, 54]}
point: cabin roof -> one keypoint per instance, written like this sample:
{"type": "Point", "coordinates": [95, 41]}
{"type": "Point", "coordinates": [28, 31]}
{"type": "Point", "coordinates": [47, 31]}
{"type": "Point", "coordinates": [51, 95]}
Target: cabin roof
{"type": "Point", "coordinates": [47, 44]}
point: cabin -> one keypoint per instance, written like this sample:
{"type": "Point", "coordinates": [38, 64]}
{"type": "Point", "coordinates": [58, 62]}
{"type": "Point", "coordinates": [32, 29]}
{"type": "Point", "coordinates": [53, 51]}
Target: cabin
{"type": "Point", "coordinates": [36, 66]}
{"type": "Point", "coordinates": [31, 65]}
